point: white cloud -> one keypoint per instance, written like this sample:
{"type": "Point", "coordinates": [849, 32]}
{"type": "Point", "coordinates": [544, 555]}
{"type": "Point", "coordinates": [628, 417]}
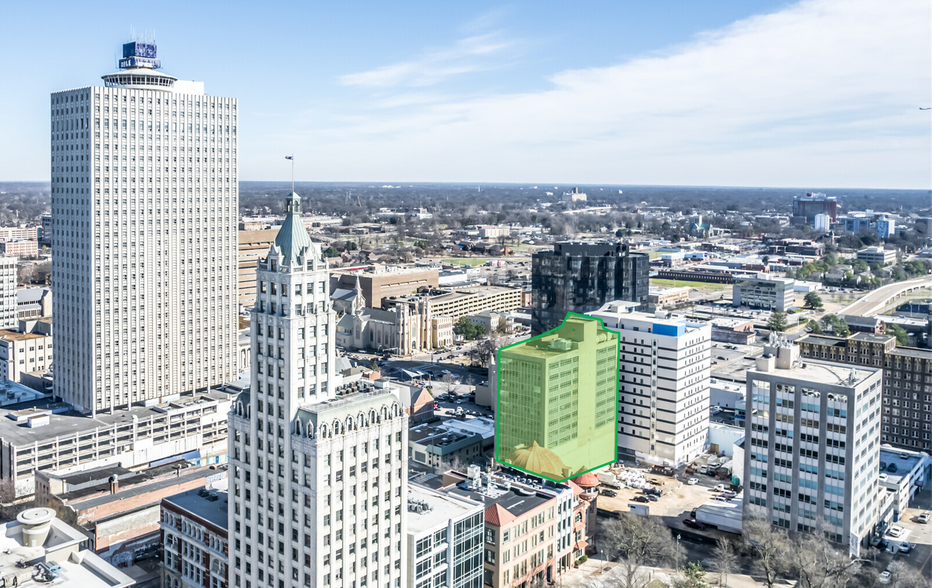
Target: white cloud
{"type": "Point", "coordinates": [471, 54]}
{"type": "Point", "coordinates": [822, 93]}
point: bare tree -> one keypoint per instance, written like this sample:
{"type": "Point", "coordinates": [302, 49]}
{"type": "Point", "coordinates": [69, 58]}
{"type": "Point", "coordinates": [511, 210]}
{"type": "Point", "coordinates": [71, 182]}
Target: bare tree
{"type": "Point", "coordinates": [818, 564]}
{"type": "Point", "coordinates": [637, 541]}
{"type": "Point", "coordinates": [724, 560]}
{"type": "Point", "coordinates": [771, 548]}
{"type": "Point", "coordinates": [904, 576]}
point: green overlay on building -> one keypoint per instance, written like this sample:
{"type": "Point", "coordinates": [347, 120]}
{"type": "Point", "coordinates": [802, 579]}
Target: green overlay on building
{"type": "Point", "coordinates": [557, 400]}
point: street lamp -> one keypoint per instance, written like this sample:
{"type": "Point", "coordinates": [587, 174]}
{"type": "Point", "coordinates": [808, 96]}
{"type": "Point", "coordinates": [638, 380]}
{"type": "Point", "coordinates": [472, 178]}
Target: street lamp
{"type": "Point", "coordinates": [677, 551]}
{"type": "Point", "coordinates": [602, 556]}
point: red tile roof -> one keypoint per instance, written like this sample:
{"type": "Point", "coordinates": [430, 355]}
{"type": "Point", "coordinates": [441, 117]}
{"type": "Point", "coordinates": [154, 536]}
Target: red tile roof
{"type": "Point", "coordinates": [498, 515]}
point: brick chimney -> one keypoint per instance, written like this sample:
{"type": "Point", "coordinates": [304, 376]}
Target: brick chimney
{"type": "Point", "coordinates": [114, 484]}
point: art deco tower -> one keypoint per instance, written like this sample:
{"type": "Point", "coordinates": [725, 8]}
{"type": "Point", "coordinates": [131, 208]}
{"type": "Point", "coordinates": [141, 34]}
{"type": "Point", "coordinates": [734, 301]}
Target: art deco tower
{"type": "Point", "coordinates": [318, 469]}
{"type": "Point", "coordinates": [144, 208]}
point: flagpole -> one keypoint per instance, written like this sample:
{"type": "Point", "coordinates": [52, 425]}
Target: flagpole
{"type": "Point", "coordinates": [292, 172]}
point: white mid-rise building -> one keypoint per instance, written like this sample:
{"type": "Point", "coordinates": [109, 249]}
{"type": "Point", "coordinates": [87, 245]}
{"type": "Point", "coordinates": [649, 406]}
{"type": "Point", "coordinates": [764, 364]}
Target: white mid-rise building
{"type": "Point", "coordinates": [812, 448]}
{"type": "Point", "coordinates": [144, 209]}
{"type": "Point", "coordinates": [7, 292]}
{"type": "Point", "coordinates": [319, 471]}
{"type": "Point", "coordinates": [663, 386]}
{"type": "Point", "coordinates": [444, 539]}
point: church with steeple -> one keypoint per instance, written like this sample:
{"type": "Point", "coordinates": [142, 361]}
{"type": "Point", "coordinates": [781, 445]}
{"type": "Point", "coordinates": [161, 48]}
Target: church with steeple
{"type": "Point", "coordinates": [318, 470]}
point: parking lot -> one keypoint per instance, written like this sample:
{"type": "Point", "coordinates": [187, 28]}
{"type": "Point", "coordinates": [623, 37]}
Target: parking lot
{"type": "Point", "coordinates": [677, 501]}
{"type": "Point", "coordinates": [918, 534]}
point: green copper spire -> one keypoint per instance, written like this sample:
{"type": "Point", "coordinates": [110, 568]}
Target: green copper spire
{"type": "Point", "coordinates": [292, 239]}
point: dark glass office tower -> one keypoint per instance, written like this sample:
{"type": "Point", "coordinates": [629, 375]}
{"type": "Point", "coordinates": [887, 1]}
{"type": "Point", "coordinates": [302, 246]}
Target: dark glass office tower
{"type": "Point", "coordinates": [581, 277]}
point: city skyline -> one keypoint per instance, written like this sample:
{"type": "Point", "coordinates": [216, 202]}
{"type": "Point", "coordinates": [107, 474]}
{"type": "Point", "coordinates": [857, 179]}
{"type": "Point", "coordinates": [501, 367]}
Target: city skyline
{"type": "Point", "coordinates": [462, 99]}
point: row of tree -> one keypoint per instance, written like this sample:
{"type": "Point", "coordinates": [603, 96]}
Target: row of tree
{"type": "Point", "coordinates": [770, 554]}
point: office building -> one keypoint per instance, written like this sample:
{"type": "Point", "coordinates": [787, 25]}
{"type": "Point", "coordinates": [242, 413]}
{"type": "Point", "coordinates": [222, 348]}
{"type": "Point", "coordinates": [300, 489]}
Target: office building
{"type": "Point", "coordinates": [811, 463]}
{"type": "Point", "coordinates": [33, 303]}
{"type": "Point", "coordinates": [19, 233]}
{"type": "Point", "coordinates": [45, 234]}
{"type": "Point", "coordinates": [822, 222]}
{"type": "Point", "coordinates": [7, 292]}
{"type": "Point", "coordinates": [557, 400]}
{"type": "Point", "coordinates": [763, 291]}
{"type": "Point", "coordinates": [444, 540]}
{"type": "Point", "coordinates": [22, 248]}
{"type": "Point", "coordinates": [144, 206]}
{"type": "Point", "coordinates": [808, 206]}
{"type": "Point", "coordinates": [663, 384]}
{"type": "Point", "coordinates": [379, 282]}
{"type": "Point", "coordinates": [877, 255]}
{"type": "Point", "coordinates": [28, 348]}
{"type": "Point", "coordinates": [251, 246]}
{"type": "Point", "coordinates": [886, 228]}
{"type": "Point", "coordinates": [318, 471]}
{"type": "Point", "coordinates": [907, 381]}
{"type": "Point", "coordinates": [37, 549]}
{"type": "Point", "coordinates": [438, 448]}
{"type": "Point", "coordinates": [581, 277]}
{"type": "Point", "coordinates": [195, 543]}
{"type": "Point", "coordinates": [663, 297]}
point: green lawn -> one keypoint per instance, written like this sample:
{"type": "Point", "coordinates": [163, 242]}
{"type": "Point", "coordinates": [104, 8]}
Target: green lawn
{"type": "Point", "coordinates": [709, 286]}
{"type": "Point", "coordinates": [473, 261]}
{"type": "Point", "coordinates": [654, 254]}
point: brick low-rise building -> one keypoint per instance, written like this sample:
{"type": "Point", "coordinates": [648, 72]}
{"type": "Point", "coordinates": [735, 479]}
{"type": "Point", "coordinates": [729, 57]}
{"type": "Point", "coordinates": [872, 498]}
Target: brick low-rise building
{"type": "Point", "coordinates": [907, 381]}
{"type": "Point", "coordinates": [195, 550]}
{"type": "Point", "coordinates": [117, 508]}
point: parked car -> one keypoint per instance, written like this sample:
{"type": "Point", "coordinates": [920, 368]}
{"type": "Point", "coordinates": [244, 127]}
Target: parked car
{"type": "Point", "coordinates": [895, 531]}
{"type": "Point", "coordinates": [885, 577]}
{"type": "Point", "coordinates": [719, 488]}
{"type": "Point", "coordinates": [640, 499]}
{"type": "Point", "coordinates": [692, 481]}
{"type": "Point", "coordinates": [923, 518]}
{"type": "Point", "coordinates": [653, 491]}
{"type": "Point", "coordinates": [607, 492]}
{"type": "Point", "coordinates": [905, 547]}
{"type": "Point", "coordinates": [704, 470]}
{"type": "Point", "coordinates": [652, 498]}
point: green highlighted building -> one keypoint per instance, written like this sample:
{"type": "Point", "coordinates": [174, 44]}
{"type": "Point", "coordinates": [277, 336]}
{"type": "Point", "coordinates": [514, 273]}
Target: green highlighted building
{"type": "Point", "coordinates": [557, 400]}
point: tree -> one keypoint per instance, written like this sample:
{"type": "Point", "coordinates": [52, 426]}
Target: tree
{"type": "Point", "coordinates": [837, 325]}
{"type": "Point", "coordinates": [902, 337]}
{"type": "Point", "coordinates": [693, 576]}
{"type": "Point", "coordinates": [818, 564]}
{"type": "Point", "coordinates": [467, 329]}
{"type": "Point", "coordinates": [724, 560]}
{"type": "Point", "coordinates": [777, 321]}
{"type": "Point", "coordinates": [904, 576]}
{"type": "Point", "coordinates": [771, 548]}
{"type": "Point", "coordinates": [637, 541]}
{"type": "Point", "coordinates": [813, 300]}
{"type": "Point", "coordinates": [765, 259]}
{"type": "Point", "coordinates": [814, 327]}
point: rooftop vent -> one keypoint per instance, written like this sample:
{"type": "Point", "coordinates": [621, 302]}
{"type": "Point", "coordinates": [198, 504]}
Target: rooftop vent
{"type": "Point", "coordinates": [36, 524]}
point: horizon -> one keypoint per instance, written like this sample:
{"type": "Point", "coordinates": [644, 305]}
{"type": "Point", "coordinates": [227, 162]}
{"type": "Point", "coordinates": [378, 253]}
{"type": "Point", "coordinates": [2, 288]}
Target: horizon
{"type": "Point", "coordinates": [778, 94]}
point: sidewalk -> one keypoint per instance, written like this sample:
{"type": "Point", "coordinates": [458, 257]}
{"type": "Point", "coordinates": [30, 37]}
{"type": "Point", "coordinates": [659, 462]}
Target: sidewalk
{"type": "Point", "coordinates": [592, 574]}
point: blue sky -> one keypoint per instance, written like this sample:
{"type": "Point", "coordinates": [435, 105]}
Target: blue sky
{"type": "Point", "coordinates": [814, 93]}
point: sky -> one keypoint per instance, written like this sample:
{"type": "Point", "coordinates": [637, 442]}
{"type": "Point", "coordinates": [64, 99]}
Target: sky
{"type": "Point", "coordinates": [818, 93]}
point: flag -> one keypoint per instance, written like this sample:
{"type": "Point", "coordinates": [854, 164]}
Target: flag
{"type": "Point", "coordinates": [289, 157]}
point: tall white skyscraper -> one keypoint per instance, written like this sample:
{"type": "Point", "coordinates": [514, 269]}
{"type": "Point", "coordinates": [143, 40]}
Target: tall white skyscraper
{"type": "Point", "coordinates": [663, 384]}
{"type": "Point", "coordinates": [318, 471]}
{"type": "Point", "coordinates": [144, 207]}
